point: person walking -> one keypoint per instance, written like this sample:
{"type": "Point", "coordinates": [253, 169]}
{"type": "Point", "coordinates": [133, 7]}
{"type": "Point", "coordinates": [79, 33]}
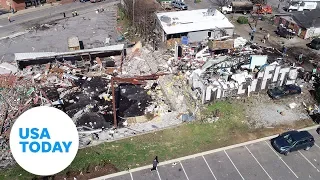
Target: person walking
{"type": "Point", "coordinates": [267, 37]}
{"type": "Point", "coordinates": [155, 164]}
{"type": "Point", "coordinates": [251, 37]}
{"type": "Point", "coordinates": [300, 57]}
{"type": "Point", "coordinates": [284, 51]}
{"type": "Point", "coordinates": [9, 19]}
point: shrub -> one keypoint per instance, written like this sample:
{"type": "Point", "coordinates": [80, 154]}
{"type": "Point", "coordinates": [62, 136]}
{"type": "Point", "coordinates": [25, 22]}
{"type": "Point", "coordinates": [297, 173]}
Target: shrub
{"type": "Point", "coordinates": [242, 20]}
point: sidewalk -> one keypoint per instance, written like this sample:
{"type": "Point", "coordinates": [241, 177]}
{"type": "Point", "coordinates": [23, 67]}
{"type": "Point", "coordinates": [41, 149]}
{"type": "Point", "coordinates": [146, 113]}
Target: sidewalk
{"type": "Point", "coordinates": [29, 10]}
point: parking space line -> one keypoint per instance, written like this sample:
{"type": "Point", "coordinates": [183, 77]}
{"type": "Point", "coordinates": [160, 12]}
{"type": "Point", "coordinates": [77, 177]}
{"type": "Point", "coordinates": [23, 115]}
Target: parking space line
{"type": "Point", "coordinates": [233, 164]}
{"type": "Point", "coordinates": [158, 174]}
{"type": "Point", "coordinates": [131, 176]}
{"type": "Point", "coordinates": [209, 168]}
{"type": "Point", "coordinates": [308, 161]}
{"type": "Point", "coordinates": [317, 145]}
{"type": "Point", "coordinates": [184, 170]}
{"type": "Point", "coordinates": [281, 159]}
{"type": "Point", "coordinates": [258, 162]}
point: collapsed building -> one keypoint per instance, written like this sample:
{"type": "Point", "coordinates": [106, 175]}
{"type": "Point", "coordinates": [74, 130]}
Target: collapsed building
{"type": "Point", "coordinates": [102, 96]}
{"type": "Point", "coordinates": [230, 67]}
{"type": "Point", "coordinates": [90, 87]}
{"type": "Point", "coordinates": [224, 77]}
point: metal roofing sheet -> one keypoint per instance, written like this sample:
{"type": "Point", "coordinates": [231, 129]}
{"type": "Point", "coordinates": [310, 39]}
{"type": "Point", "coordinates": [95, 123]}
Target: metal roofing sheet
{"type": "Point", "coordinates": [37, 55]}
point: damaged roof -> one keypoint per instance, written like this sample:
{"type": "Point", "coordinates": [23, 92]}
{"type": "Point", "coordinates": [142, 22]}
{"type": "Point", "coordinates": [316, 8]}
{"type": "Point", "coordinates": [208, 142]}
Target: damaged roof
{"type": "Point", "coordinates": [308, 19]}
{"type": "Point", "coordinates": [194, 20]}
{"type": "Point", "coordinates": [37, 55]}
{"type": "Point", "coordinates": [6, 68]}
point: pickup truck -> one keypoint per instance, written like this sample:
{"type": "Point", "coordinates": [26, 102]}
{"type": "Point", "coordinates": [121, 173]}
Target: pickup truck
{"type": "Point", "coordinates": [179, 5]}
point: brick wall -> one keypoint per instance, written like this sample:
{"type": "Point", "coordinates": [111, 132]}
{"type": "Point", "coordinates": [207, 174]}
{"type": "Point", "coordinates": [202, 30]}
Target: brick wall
{"type": "Point", "coordinates": [65, 1]}
{"type": "Point", "coordinates": [277, 20]}
{"type": "Point", "coordinates": [19, 5]}
{"type": "Point", "coordinates": [5, 4]}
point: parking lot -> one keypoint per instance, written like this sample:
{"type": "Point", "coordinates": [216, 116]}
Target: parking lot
{"type": "Point", "coordinates": [249, 162]}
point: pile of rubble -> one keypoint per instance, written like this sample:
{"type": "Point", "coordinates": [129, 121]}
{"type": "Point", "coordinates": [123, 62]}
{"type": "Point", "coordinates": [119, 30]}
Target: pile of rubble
{"type": "Point", "coordinates": [145, 91]}
{"type": "Point", "coordinates": [107, 98]}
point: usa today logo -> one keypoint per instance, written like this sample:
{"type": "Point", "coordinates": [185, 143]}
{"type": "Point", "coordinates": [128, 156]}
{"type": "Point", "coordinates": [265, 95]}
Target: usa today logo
{"type": "Point", "coordinates": [44, 141]}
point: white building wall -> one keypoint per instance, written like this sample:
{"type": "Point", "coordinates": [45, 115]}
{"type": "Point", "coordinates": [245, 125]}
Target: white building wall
{"type": "Point", "coordinates": [229, 31]}
{"type": "Point", "coordinates": [199, 36]}
{"type": "Point", "coordinates": [312, 32]}
{"type": "Point", "coordinates": [317, 31]}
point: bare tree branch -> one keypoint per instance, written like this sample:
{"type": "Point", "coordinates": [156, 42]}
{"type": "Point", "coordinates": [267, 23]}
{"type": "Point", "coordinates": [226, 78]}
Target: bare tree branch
{"type": "Point", "coordinates": [143, 15]}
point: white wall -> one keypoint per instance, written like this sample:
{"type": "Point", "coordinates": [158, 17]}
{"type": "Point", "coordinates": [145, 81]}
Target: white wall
{"type": "Point", "coordinates": [312, 32]}
{"type": "Point", "coordinates": [199, 36]}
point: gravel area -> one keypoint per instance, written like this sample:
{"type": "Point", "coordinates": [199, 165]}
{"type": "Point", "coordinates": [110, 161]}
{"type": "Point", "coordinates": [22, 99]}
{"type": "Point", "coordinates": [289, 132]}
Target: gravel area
{"type": "Point", "coordinates": [262, 111]}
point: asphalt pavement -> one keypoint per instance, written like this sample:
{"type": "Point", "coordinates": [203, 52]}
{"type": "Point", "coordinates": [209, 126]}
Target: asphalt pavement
{"type": "Point", "coordinates": [247, 161]}
{"type": "Point", "coordinates": [24, 21]}
{"type": "Point", "coordinates": [218, 3]}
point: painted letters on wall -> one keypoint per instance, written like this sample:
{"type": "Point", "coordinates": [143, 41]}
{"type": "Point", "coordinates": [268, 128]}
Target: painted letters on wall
{"type": "Point", "coordinates": [272, 76]}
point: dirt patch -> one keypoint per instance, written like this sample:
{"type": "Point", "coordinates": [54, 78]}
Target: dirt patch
{"type": "Point", "coordinates": [91, 172]}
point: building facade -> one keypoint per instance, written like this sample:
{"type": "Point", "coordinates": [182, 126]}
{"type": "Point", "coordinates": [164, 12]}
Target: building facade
{"type": "Point", "coordinates": [305, 24]}
{"type": "Point", "coordinates": [18, 5]}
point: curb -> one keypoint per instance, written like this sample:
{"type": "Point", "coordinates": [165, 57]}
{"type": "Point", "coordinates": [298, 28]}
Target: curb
{"type": "Point", "coordinates": [198, 154]}
{"type": "Point", "coordinates": [4, 16]}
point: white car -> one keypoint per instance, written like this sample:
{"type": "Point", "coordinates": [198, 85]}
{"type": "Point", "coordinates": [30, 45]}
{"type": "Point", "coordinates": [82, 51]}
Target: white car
{"type": "Point", "coordinates": [179, 5]}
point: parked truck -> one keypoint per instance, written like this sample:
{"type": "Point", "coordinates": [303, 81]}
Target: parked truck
{"type": "Point", "coordinates": [300, 5]}
{"type": "Point", "coordinates": [238, 7]}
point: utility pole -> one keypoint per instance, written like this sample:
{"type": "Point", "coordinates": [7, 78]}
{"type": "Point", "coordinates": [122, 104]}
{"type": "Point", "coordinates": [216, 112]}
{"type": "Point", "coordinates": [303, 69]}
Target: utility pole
{"type": "Point", "coordinates": [133, 1]}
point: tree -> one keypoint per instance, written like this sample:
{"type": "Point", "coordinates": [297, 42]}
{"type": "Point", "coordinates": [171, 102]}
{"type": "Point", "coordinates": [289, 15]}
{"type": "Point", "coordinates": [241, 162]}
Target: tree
{"type": "Point", "coordinates": [141, 13]}
{"type": "Point", "coordinates": [220, 3]}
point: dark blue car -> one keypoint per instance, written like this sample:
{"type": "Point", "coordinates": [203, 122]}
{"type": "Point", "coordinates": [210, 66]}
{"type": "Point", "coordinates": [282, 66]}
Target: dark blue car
{"type": "Point", "coordinates": [283, 91]}
{"type": "Point", "coordinates": [292, 141]}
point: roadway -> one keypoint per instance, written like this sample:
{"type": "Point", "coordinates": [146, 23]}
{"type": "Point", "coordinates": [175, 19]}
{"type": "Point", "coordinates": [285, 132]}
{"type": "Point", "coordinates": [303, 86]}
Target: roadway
{"type": "Point", "coordinates": [248, 161]}
{"type": "Point", "coordinates": [24, 21]}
